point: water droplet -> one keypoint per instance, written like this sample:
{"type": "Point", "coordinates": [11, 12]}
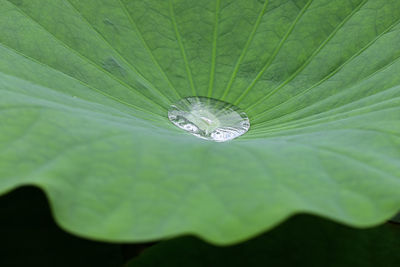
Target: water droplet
{"type": "Point", "coordinates": [209, 118]}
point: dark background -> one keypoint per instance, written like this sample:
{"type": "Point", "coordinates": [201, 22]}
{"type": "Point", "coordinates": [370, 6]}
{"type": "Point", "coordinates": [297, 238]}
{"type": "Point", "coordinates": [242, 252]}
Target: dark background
{"type": "Point", "coordinates": [29, 237]}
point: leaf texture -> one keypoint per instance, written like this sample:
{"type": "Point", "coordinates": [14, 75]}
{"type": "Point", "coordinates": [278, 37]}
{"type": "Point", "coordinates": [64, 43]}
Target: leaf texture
{"type": "Point", "coordinates": [85, 87]}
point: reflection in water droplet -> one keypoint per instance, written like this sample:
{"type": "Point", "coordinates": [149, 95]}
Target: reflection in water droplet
{"type": "Point", "coordinates": [209, 118]}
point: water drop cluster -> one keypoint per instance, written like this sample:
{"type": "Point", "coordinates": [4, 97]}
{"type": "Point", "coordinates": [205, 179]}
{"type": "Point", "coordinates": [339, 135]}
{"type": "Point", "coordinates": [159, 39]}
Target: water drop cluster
{"type": "Point", "coordinates": [209, 118]}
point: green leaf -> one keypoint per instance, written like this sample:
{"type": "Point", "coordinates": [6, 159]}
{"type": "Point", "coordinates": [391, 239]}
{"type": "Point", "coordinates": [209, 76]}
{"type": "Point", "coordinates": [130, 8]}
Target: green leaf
{"type": "Point", "coordinates": [302, 241]}
{"type": "Point", "coordinates": [85, 88]}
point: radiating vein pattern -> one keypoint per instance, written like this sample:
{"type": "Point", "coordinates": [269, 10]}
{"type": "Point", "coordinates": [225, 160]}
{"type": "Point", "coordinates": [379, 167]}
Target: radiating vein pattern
{"type": "Point", "coordinates": [85, 88]}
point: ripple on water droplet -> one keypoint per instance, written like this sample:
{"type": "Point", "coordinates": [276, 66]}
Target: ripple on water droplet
{"type": "Point", "coordinates": [209, 118]}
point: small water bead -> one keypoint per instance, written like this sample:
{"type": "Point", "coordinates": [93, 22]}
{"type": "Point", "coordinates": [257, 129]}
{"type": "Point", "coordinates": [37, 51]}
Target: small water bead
{"type": "Point", "coordinates": [209, 118]}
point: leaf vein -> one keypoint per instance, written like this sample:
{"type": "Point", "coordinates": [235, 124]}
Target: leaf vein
{"type": "Point", "coordinates": [214, 49]}
{"type": "Point", "coordinates": [181, 47]}
{"type": "Point", "coordinates": [143, 81]}
{"type": "Point", "coordinates": [78, 80]}
{"type": "Point", "coordinates": [349, 60]}
{"type": "Point", "coordinates": [275, 53]}
{"type": "Point", "coordinates": [84, 57]}
{"type": "Point", "coordinates": [135, 26]}
{"type": "Point", "coordinates": [313, 55]}
{"type": "Point", "coordinates": [244, 51]}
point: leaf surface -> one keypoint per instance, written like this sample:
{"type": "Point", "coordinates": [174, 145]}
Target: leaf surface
{"type": "Point", "coordinates": [85, 87]}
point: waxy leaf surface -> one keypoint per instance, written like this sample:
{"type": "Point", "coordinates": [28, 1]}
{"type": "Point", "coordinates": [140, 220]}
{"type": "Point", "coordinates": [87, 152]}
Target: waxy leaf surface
{"type": "Point", "coordinates": [85, 87]}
